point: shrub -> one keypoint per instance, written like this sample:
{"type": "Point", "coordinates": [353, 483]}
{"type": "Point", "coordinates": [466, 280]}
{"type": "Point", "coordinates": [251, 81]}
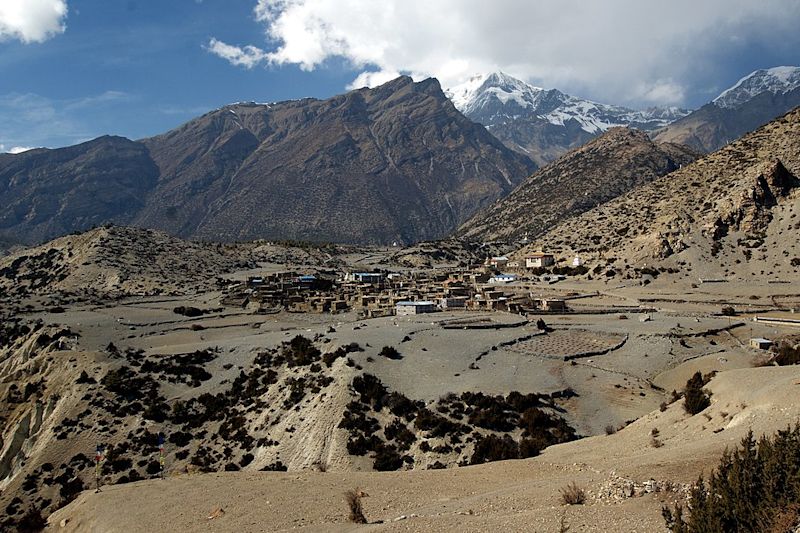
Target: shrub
{"type": "Point", "coordinates": [494, 448]}
{"type": "Point", "coordinates": [437, 426]}
{"type": "Point", "coordinates": [754, 488]}
{"type": "Point", "coordinates": [371, 390]}
{"type": "Point", "coordinates": [387, 458]}
{"type": "Point", "coordinates": [400, 405]}
{"type": "Point", "coordinates": [353, 499]}
{"type": "Point", "coordinates": [728, 311]}
{"type": "Point", "coordinates": [390, 352]}
{"type": "Point", "coordinates": [530, 448]}
{"type": "Point", "coordinates": [277, 466]}
{"type": "Point", "coordinates": [696, 399]}
{"type": "Point", "coordinates": [330, 357]}
{"type": "Point", "coordinates": [85, 378]}
{"type": "Point", "coordinates": [787, 355]}
{"type": "Point", "coordinates": [32, 521]}
{"type": "Point", "coordinates": [188, 311]}
{"type": "Point", "coordinates": [180, 438]}
{"type": "Point", "coordinates": [572, 494]}
{"type": "Point", "coordinates": [300, 351]}
{"type": "Point", "coordinates": [361, 445]}
{"type": "Point", "coordinates": [398, 432]}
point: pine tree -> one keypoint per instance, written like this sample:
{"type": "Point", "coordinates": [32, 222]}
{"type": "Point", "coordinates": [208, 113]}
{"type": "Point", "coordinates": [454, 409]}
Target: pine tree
{"type": "Point", "coordinates": [695, 398]}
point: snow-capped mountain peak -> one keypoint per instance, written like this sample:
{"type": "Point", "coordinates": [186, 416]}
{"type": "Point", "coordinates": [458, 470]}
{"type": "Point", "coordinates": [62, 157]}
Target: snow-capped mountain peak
{"type": "Point", "coordinates": [489, 98]}
{"type": "Point", "coordinates": [480, 89]}
{"type": "Point", "coordinates": [777, 80]}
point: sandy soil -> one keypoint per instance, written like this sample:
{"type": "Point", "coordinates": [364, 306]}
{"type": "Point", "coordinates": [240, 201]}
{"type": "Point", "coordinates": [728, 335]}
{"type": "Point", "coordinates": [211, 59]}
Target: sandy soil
{"type": "Point", "coordinates": [508, 496]}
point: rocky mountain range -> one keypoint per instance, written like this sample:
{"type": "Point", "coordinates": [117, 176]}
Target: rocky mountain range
{"type": "Point", "coordinates": [546, 123]}
{"type": "Point", "coordinates": [729, 214]}
{"type": "Point", "coordinates": [393, 163]}
{"type": "Point", "coordinates": [753, 101]}
{"type": "Point", "coordinates": [606, 167]}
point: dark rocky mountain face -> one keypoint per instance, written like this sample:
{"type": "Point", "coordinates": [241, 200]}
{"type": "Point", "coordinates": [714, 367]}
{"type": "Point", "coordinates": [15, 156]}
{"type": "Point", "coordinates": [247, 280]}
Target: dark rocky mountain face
{"type": "Point", "coordinates": [46, 193]}
{"type": "Point", "coordinates": [754, 101]}
{"type": "Point", "coordinates": [394, 163]}
{"type": "Point", "coordinates": [603, 169]}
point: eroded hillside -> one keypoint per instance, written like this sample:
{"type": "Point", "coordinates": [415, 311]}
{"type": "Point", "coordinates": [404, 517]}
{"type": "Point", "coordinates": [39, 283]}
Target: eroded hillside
{"type": "Point", "coordinates": [730, 214]}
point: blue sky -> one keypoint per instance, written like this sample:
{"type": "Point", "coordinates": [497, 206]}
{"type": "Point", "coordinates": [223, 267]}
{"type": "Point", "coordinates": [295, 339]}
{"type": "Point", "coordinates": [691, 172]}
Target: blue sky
{"type": "Point", "coordinates": [140, 67]}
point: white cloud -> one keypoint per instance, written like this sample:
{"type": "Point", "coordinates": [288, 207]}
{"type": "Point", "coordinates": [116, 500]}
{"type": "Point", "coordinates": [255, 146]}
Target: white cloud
{"type": "Point", "coordinates": [621, 50]}
{"type": "Point", "coordinates": [372, 79]}
{"type": "Point", "coordinates": [19, 149]}
{"type": "Point", "coordinates": [661, 92]}
{"type": "Point", "coordinates": [107, 97]}
{"type": "Point", "coordinates": [32, 20]}
{"type": "Point", "coordinates": [247, 56]}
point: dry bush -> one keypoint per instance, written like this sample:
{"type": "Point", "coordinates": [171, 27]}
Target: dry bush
{"type": "Point", "coordinates": [572, 494]}
{"type": "Point", "coordinates": [787, 355]}
{"type": "Point", "coordinates": [610, 430]}
{"type": "Point", "coordinates": [353, 499]}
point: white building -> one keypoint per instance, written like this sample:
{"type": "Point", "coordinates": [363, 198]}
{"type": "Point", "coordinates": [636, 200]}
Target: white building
{"type": "Point", "coordinates": [503, 278]}
{"type": "Point", "coordinates": [760, 343]}
{"type": "Point", "coordinates": [539, 260]}
{"type": "Point", "coordinates": [498, 262]}
{"type": "Point", "coordinates": [414, 308]}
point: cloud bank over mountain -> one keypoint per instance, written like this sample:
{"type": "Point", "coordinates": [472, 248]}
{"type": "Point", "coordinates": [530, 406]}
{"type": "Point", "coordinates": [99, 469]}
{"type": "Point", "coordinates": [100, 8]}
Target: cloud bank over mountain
{"type": "Point", "coordinates": [621, 50]}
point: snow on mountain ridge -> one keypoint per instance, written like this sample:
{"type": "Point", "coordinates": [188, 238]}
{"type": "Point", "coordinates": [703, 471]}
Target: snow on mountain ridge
{"type": "Point", "coordinates": [777, 80]}
{"type": "Point", "coordinates": [479, 89]}
{"type": "Point", "coordinates": [489, 98]}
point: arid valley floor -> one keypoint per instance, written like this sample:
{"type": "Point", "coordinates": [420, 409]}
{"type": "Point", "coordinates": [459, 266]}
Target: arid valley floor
{"type": "Point", "coordinates": [607, 368]}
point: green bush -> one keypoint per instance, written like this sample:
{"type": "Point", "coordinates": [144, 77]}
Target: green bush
{"type": "Point", "coordinates": [695, 398]}
{"type": "Point", "coordinates": [754, 488]}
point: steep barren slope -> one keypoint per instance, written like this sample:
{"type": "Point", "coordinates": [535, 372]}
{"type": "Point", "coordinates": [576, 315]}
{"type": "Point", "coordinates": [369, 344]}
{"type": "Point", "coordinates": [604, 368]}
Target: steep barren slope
{"type": "Point", "coordinates": [394, 163]}
{"type": "Point", "coordinates": [732, 213]}
{"type": "Point", "coordinates": [755, 100]}
{"type": "Point", "coordinates": [47, 193]}
{"type": "Point", "coordinates": [606, 167]}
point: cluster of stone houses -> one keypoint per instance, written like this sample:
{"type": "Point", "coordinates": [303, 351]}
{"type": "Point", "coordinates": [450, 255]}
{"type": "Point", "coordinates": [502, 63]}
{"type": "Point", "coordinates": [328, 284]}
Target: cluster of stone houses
{"type": "Point", "coordinates": [375, 294]}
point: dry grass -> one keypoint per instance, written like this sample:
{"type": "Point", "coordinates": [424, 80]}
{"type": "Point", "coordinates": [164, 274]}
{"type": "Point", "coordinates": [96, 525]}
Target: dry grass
{"type": "Point", "coordinates": [572, 494]}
